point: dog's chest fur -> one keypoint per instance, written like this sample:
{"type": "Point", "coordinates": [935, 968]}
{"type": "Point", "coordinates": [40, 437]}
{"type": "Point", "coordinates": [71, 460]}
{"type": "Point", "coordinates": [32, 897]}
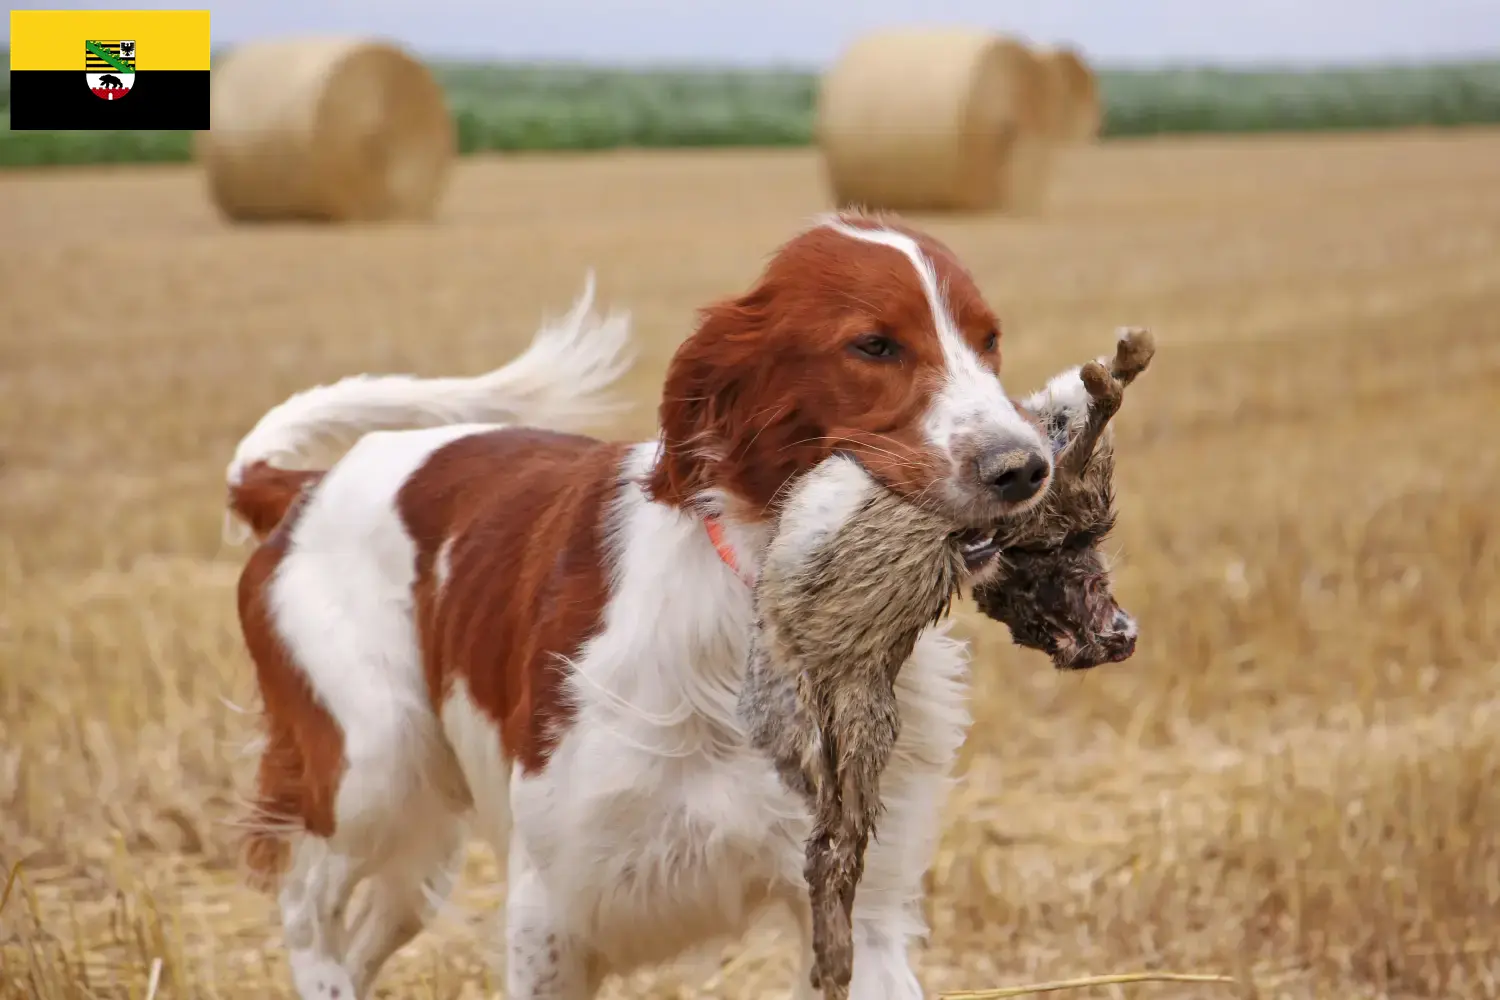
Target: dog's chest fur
{"type": "Point", "coordinates": [658, 824]}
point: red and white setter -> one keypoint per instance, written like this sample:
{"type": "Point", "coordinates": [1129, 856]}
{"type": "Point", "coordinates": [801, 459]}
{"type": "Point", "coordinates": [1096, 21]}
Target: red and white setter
{"type": "Point", "coordinates": [543, 634]}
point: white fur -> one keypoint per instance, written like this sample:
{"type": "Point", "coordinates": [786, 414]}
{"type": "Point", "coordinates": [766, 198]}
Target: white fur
{"type": "Point", "coordinates": [822, 500]}
{"type": "Point", "coordinates": [1064, 393]}
{"type": "Point", "coordinates": [654, 829]}
{"type": "Point", "coordinates": [972, 403]}
{"type": "Point", "coordinates": [1064, 400]}
{"type": "Point", "coordinates": [1065, 390]}
{"type": "Point", "coordinates": [486, 771]}
{"type": "Point", "coordinates": [558, 382]}
{"type": "Point", "coordinates": [342, 603]}
{"type": "Point", "coordinates": [442, 567]}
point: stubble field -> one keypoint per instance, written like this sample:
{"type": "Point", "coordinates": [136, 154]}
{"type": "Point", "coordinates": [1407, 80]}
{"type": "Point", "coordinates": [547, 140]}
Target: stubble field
{"type": "Point", "coordinates": [1296, 780]}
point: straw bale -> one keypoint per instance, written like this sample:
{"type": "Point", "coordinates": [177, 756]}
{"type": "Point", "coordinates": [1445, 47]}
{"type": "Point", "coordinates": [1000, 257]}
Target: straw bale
{"type": "Point", "coordinates": [331, 129]}
{"type": "Point", "coordinates": [935, 119]}
{"type": "Point", "coordinates": [1074, 108]}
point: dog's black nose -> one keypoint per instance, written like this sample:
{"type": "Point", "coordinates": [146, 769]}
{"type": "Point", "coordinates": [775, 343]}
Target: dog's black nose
{"type": "Point", "coordinates": [1021, 482]}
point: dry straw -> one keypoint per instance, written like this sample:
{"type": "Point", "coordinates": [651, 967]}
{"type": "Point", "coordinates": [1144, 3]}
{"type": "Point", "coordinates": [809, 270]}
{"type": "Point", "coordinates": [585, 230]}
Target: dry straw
{"type": "Point", "coordinates": [937, 119]}
{"type": "Point", "coordinates": [1083, 983]}
{"type": "Point", "coordinates": [326, 129]}
{"type": "Point", "coordinates": [10, 884]}
{"type": "Point", "coordinates": [1073, 108]}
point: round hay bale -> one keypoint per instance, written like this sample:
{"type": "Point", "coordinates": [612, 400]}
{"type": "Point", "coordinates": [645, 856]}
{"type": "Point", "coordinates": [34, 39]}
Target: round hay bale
{"type": "Point", "coordinates": [329, 129]}
{"type": "Point", "coordinates": [1075, 110]}
{"type": "Point", "coordinates": [934, 119]}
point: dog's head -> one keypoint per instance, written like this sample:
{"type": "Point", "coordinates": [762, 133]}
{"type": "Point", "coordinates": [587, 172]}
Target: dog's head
{"type": "Point", "coordinates": [862, 336]}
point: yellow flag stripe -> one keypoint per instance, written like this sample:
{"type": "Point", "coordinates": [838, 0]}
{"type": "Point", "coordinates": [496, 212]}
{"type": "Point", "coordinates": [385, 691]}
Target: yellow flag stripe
{"type": "Point", "coordinates": [164, 39]}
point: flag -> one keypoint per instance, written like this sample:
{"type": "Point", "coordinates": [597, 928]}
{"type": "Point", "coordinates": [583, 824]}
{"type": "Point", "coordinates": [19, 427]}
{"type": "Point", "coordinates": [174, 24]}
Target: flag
{"type": "Point", "coordinates": [109, 69]}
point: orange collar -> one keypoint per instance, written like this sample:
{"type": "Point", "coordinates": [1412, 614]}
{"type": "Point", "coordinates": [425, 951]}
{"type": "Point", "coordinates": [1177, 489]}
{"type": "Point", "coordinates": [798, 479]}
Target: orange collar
{"type": "Point", "coordinates": [715, 529]}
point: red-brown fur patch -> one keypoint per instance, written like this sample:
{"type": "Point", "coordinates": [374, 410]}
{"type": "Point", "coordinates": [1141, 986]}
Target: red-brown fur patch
{"type": "Point", "coordinates": [264, 493]}
{"type": "Point", "coordinates": [527, 578]}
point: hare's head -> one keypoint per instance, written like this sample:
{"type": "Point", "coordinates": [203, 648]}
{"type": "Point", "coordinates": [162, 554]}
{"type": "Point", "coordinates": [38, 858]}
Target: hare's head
{"type": "Point", "coordinates": [1052, 587]}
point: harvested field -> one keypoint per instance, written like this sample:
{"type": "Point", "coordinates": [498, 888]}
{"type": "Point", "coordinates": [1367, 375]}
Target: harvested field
{"type": "Point", "coordinates": [1295, 781]}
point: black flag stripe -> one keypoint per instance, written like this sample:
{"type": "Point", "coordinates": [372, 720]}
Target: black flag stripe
{"type": "Point", "coordinates": [61, 99]}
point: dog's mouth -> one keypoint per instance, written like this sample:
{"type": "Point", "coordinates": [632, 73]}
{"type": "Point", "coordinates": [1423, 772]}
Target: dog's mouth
{"type": "Point", "coordinates": [977, 546]}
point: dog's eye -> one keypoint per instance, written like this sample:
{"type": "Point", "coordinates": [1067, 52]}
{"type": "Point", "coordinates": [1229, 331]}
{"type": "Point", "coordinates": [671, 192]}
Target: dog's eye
{"type": "Point", "coordinates": [877, 345]}
{"type": "Point", "coordinates": [991, 341]}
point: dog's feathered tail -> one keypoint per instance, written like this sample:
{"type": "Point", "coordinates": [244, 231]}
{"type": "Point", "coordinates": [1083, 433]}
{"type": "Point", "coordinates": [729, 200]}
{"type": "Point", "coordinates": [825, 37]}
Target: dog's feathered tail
{"type": "Point", "coordinates": [560, 382]}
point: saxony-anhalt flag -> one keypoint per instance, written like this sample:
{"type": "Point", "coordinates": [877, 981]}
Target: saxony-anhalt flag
{"type": "Point", "coordinates": [109, 69]}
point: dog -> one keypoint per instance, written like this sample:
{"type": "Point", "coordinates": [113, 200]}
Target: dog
{"type": "Point", "coordinates": [489, 621]}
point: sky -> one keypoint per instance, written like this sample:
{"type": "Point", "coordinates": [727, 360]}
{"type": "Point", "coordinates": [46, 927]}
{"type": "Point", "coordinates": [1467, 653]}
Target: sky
{"type": "Point", "coordinates": [812, 32]}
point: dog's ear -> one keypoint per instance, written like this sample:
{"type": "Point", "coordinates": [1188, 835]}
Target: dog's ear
{"type": "Point", "coordinates": [701, 399]}
{"type": "Point", "coordinates": [730, 423]}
